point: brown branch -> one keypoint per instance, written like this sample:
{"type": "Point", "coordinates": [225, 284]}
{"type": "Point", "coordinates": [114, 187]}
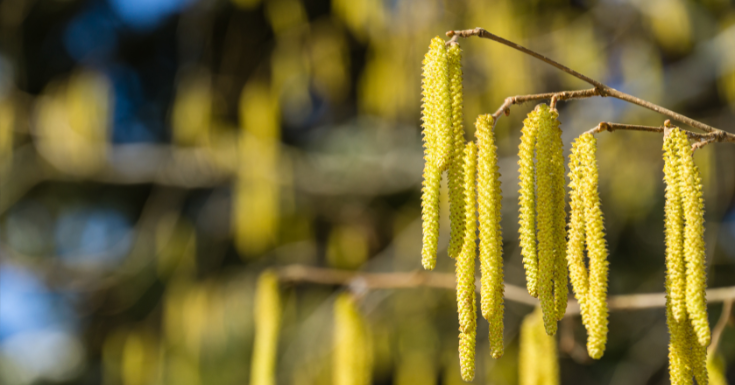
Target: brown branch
{"type": "Point", "coordinates": [554, 96]}
{"type": "Point", "coordinates": [600, 89]}
{"type": "Point", "coordinates": [721, 323]}
{"type": "Point", "coordinates": [702, 139]}
{"type": "Point", "coordinates": [361, 281]}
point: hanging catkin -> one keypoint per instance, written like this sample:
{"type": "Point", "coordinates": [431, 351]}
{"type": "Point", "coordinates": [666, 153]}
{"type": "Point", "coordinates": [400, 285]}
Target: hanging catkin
{"type": "Point", "coordinates": [546, 215]}
{"type": "Point", "coordinates": [436, 113]}
{"type": "Point", "coordinates": [352, 355]}
{"type": "Point", "coordinates": [491, 239]}
{"type": "Point", "coordinates": [267, 323]}
{"type": "Point", "coordinates": [526, 201]}
{"type": "Point", "coordinates": [465, 266]}
{"type": "Point", "coordinates": [561, 291]}
{"type": "Point", "coordinates": [686, 308]}
{"type": "Point", "coordinates": [538, 363]}
{"type": "Point", "coordinates": [690, 185]}
{"type": "Point", "coordinates": [586, 227]}
{"type": "Point", "coordinates": [456, 195]}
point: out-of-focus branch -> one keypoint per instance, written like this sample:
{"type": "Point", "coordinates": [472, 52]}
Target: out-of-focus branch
{"type": "Point", "coordinates": [600, 88]}
{"type": "Point", "coordinates": [721, 323]}
{"type": "Point", "coordinates": [361, 281]}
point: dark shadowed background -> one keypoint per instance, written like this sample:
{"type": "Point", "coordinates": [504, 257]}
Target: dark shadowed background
{"type": "Point", "coordinates": [157, 155]}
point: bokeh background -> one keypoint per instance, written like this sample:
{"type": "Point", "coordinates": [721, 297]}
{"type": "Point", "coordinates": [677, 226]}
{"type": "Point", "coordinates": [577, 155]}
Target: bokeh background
{"type": "Point", "coordinates": [157, 155]}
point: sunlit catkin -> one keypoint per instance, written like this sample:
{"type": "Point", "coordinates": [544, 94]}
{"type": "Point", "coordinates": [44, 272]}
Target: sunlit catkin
{"type": "Point", "coordinates": [561, 291]}
{"type": "Point", "coordinates": [545, 215]}
{"type": "Point", "coordinates": [466, 306]}
{"type": "Point", "coordinates": [436, 113]}
{"type": "Point", "coordinates": [586, 227]}
{"type": "Point", "coordinates": [352, 355]}
{"type": "Point", "coordinates": [538, 363]}
{"type": "Point", "coordinates": [596, 251]}
{"type": "Point", "coordinates": [526, 201]}
{"type": "Point", "coordinates": [489, 197]}
{"type": "Point", "coordinates": [456, 195]}
{"type": "Point", "coordinates": [267, 323]}
{"type": "Point", "coordinates": [693, 208]}
{"type": "Point", "coordinates": [674, 230]}
{"type": "Point", "coordinates": [680, 370]}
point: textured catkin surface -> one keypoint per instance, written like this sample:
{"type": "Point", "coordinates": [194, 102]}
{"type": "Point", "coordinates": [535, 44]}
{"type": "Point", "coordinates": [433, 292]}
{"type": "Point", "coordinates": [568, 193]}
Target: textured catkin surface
{"type": "Point", "coordinates": [596, 251]}
{"type": "Point", "coordinates": [465, 268]}
{"type": "Point", "coordinates": [352, 357]}
{"type": "Point", "coordinates": [545, 213]}
{"type": "Point", "coordinates": [561, 291]}
{"type": "Point", "coordinates": [693, 207]}
{"type": "Point", "coordinates": [456, 195]}
{"type": "Point", "coordinates": [526, 201]}
{"type": "Point", "coordinates": [575, 245]}
{"type": "Point", "coordinates": [436, 115]}
{"type": "Point", "coordinates": [267, 323]}
{"type": "Point", "coordinates": [674, 230]}
{"type": "Point", "coordinates": [489, 197]}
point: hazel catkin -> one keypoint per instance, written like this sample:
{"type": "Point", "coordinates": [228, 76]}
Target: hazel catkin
{"type": "Point", "coordinates": [489, 198]}
{"type": "Point", "coordinates": [267, 323]}
{"type": "Point", "coordinates": [538, 363]}
{"type": "Point", "coordinates": [437, 121]}
{"type": "Point", "coordinates": [527, 201]}
{"type": "Point", "coordinates": [352, 357]}
{"type": "Point", "coordinates": [674, 231]}
{"type": "Point", "coordinates": [465, 266]}
{"type": "Point", "coordinates": [456, 196]}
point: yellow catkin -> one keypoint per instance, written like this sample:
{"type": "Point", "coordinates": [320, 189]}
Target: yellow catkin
{"type": "Point", "coordinates": [596, 301]}
{"type": "Point", "coordinates": [545, 212]}
{"type": "Point", "coordinates": [680, 371]}
{"type": "Point", "coordinates": [267, 323]}
{"type": "Point", "coordinates": [561, 291]}
{"type": "Point", "coordinates": [538, 363]}
{"type": "Point", "coordinates": [697, 356]}
{"type": "Point", "coordinates": [436, 115]}
{"type": "Point", "coordinates": [466, 304]}
{"type": "Point", "coordinates": [352, 354]}
{"type": "Point", "coordinates": [575, 246]}
{"type": "Point", "coordinates": [674, 231]}
{"type": "Point", "coordinates": [456, 195]}
{"type": "Point", "coordinates": [489, 197]}
{"type": "Point", "coordinates": [693, 208]}
{"type": "Point", "coordinates": [526, 201]}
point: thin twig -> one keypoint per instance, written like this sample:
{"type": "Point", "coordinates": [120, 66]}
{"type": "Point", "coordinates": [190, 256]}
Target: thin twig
{"type": "Point", "coordinates": [609, 126]}
{"type": "Point", "coordinates": [600, 89]}
{"type": "Point", "coordinates": [361, 281]}
{"type": "Point", "coordinates": [563, 95]}
{"type": "Point", "coordinates": [721, 323]}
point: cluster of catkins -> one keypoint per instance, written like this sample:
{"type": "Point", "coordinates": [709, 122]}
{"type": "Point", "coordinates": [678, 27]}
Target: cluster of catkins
{"type": "Point", "coordinates": [686, 305]}
{"type": "Point", "coordinates": [474, 193]}
{"type": "Point", "coordinates": [552, 249]}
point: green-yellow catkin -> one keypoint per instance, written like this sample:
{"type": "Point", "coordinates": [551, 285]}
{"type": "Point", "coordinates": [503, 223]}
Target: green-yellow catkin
{"type": "Point", "coordinates": [538, 363]}
{"type": "Point", "coordinates": [526, 201]}
{"type": "Point", "coordinates": [680, 371]}
{"type": "Point", "coordinates": [465, 265]}
{"type": "Point", "coordinates": [489, 198]}
{"type": "Point", "coordinates": [456, 195]}
{"type": "Point", "coordinates": [436, 110]}
{"type": "Point", "coordinates": [352, 354]}
{"type": "Point", "coordinates": [586, 228]}
{"type": "Point", "coordinates": [561, 291]}
{"type": "Point", "coordinates": [545, 216]}
{"type": "Point", "coordinates": [575, 246]}
{"type": "Point", "coordinates": [674, 231]}
{"type": "Point", "coordinates": [596, 301]}
{"type": "Point", "coordinates": [693, 208]}
{"type": "Point", "coordinates": [267, 323]}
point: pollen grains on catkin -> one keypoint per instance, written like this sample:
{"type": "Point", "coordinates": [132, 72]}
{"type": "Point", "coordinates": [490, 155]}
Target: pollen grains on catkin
{"type": "Point", "coordinates": [352, 356]}
{"type": "Point", "coordinates": [267, 323]}
{"type": "Point", "coordinates": [527, 201]}
{"type": "Point", "coordinates": [436, 111]}
{"type": "Point", "coordinates": [674, 231]}
{"type": "Point", "coordinates": [586, 228]}
{"type": "Point", "coordinates": [551, 232]}
{"type": "Point", "coordinates": [538, 363]}
{"type": "Point", "coordinates": [456, 196]}
{"type": "Point", "coordinates": [465, 268]}
{"type": "Point", "coordinates": [690, 185]}
{"type": "Point", "coordinates": [489, 197]}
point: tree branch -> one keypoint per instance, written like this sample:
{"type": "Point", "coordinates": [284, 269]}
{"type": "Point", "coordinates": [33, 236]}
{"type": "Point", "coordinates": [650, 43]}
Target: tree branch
{"type": "Point", "coordinates": [361, 281]}
{"type": "Point", "coordinates": [600, 89]}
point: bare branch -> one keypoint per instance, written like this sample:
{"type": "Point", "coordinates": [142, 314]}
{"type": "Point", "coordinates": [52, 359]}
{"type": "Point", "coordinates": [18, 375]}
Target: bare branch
{"type": "Point", "coordinates": [402, 280]}
{"type": "Point", "coordinates": [721, 323]}
{"type": "Point", "coordinates": [600, 89]}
